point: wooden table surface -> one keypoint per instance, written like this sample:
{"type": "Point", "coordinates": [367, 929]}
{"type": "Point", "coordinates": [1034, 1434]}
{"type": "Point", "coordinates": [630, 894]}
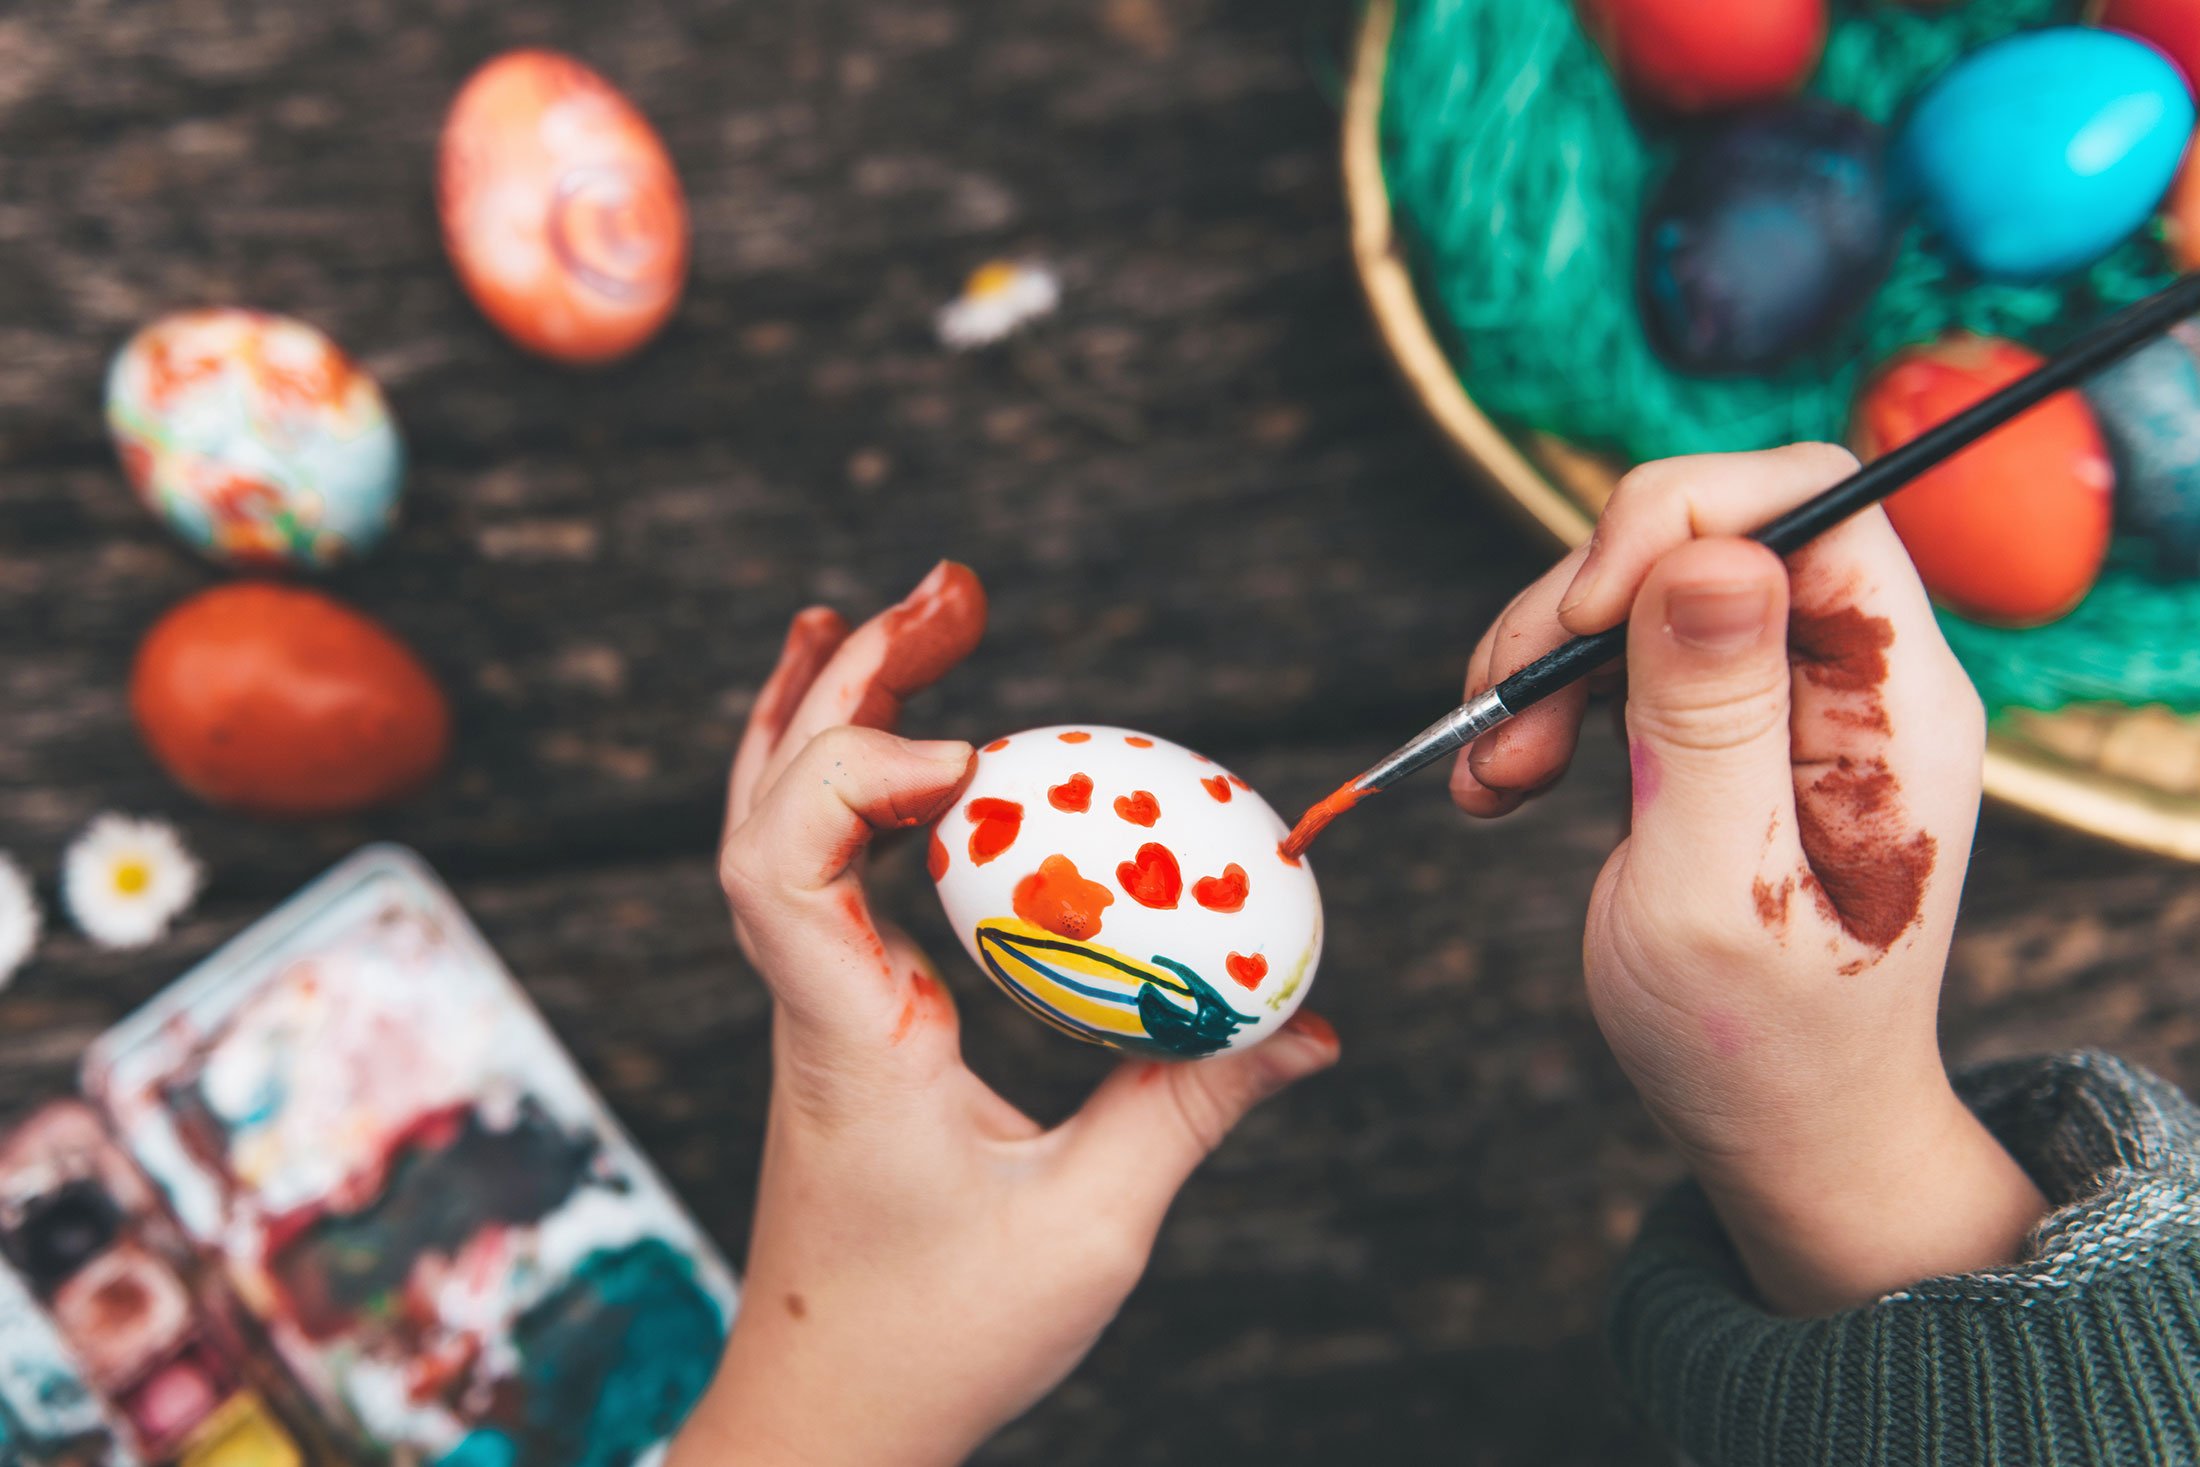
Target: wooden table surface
{"type": "Point", "coordinates": [1199, 500]}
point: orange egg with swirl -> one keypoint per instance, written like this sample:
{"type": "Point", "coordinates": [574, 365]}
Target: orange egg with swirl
{"type": "Point", "coordinates": [561, 210]}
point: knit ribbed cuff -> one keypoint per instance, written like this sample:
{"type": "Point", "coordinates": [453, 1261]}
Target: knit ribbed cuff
{"type": "Point", "coordinates": [2086, 1351]}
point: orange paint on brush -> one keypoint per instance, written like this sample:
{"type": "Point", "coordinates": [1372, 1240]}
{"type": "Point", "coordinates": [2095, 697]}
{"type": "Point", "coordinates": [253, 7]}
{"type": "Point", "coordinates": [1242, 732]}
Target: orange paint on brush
{"type": "Point", "coordinates": [1073, 796]}
{"type": "Point", "coordinates": [935, 855]}
{"type": "Point", "coordinates": [997, 824]}
{"type": "Point", "coordinates": [1317, 820]}
{"type": "Point", "coordinates": [1139, 808]}
{"type": "Point", "coordinates": [1075, 738]}
{"type": "Point", "coordinates": [1217, 786]}
{"type": "Point", "coordinates": [1248, 971]}
{"type": "Point", "coordinates": [937, 626]}
{"type": "Point", "coordinates": [1224, 893]}
{"type": "Point", "coordinates": [1152, 878]}
{"type": "Point", "coordinates": [1058, 898]}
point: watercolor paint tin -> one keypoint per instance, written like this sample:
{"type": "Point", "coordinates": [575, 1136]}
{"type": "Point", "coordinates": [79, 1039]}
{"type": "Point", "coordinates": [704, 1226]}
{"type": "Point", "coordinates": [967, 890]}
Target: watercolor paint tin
{"type": "Point", "coordinates": [435, 1220]}
{"type": "Point", "coordinates": [124, 1310]}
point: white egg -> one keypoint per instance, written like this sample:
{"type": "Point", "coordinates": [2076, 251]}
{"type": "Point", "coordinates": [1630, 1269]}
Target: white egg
{"type": "Point", "coordinates": [1128, 891]}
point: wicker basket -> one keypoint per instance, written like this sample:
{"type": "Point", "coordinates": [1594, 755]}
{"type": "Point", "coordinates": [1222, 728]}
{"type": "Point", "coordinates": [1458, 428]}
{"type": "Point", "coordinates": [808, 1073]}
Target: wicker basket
{"type": "Point", "coordinates": [2131, 775]}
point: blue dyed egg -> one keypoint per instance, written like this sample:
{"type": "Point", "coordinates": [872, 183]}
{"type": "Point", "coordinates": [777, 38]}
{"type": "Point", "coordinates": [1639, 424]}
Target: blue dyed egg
{"type": "Point", "coordinates": [2038, 154]}
{"type": "Point", "coordinates": [1767, 232]}
{"type": "Point", "coordinates": [2148, 406]}
{"type": "Point", "coordinates": [255, 438]}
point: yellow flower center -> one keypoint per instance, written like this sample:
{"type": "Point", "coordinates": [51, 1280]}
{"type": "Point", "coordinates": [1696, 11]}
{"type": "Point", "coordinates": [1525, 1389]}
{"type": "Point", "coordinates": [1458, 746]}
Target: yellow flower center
{"type": "Point", "coordinates": [991, 279]}
{"type": "Point", "coordinates": [132, 877]}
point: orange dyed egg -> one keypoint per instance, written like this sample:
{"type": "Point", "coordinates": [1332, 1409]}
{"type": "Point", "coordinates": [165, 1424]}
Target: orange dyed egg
{"type": "Point", "coordinates": [561, 210]}
{"type": "Point", "coordinates": [281, 701]}
{"type": "Point", "coordinates": [2013, 528]}
{"type": "Point", "coordinates": [2181, 215]}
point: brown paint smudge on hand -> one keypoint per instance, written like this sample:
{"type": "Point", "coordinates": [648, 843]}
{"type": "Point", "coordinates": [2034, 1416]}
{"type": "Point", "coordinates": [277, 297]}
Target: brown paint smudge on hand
{"type": "Point", "coordinates": [812, 639]}
{"type": "Point", "coordinates": [1058, 898]}
{"type": "Point", "coordinates": [858, 914]}
{"type": "Point", "coordinates": [937, 626]}
{"type": "Point", "coordinates": [1843, 650]}
{"type": "Point", "coordinates": [1772, 902]}
{"type": "Point", "coordinates": [900, 809]}
{"type": "Point", "coordinates": [927, 1001]}
{"type": "Point", "coordinates": [1869, 872]}
{"type": "Point", "coordinates": [797, 1306]}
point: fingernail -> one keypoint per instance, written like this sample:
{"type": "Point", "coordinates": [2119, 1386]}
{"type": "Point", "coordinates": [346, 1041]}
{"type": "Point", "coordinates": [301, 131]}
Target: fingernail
{"type": "Point", "coordinates": [1718, 618]}
{"type": "Point", "coordinates": [943, 751]}
{"type": "Point", "coordinates": [1314, 1027]}
{"type": "Point", "coordinates": [1585, 578]}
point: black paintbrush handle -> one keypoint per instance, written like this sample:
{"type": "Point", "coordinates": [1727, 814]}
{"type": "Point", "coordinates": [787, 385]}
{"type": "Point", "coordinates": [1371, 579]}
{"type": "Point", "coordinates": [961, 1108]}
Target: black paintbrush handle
{"type": "Point", "coordinates": [2121, 333]}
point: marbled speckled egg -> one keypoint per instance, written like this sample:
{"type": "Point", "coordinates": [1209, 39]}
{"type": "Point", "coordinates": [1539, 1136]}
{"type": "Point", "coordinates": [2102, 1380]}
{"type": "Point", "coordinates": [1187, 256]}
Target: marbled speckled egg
{"type": "Point", "coordinates": [1764, 236]}
{"type": "Point", "coordinates": [255, 438]}
{"type": "Point", "coordinates": [2040, 153]}
{"type": "Point", "coordinates": [1128, 892]}
{"type": "Point", "coordinates": [561, 209]}
{"type": "Point", "coordinates": [2148, 405]}
{"type": "Point", "coordinates": [2012, 529]}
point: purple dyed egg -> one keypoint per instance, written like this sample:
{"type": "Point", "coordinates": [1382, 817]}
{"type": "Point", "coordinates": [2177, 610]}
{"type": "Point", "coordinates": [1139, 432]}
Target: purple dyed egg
{"type": "Point", "coordinates": [1769, 230]}
{"type": "Point", "coordinates": [2148, 406]}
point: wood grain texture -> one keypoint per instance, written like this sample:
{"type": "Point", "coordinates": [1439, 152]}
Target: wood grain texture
{"type": "Point", "coordinates": [1201, 505]}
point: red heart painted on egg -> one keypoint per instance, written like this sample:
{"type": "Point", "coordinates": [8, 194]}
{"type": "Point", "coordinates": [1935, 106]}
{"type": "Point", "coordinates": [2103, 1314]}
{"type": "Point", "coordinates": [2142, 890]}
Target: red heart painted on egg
{"type": "Point", "coordinates": [1139, 808]}
{"type": "Point", "coordinates": [1153, 878]}
{"type": "Point", "coordinates": [1073, 796]}
{"type": "Point", "coordinates": [1219, 788]}
{"type": "Point", "coordinates": [1248, 971]}
{"type": "Point", "coordinates": [1224, 893]}
{"type": "Point", "coordinates": [997, 823]}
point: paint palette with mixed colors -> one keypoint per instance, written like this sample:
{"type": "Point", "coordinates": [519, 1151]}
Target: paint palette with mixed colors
{"type": "Point", "coordinates": [355, 1109]}
{"type": "Point", "coordinates": [50, 1416]}
{"type": "Point", "coordinates": [161, 1342]}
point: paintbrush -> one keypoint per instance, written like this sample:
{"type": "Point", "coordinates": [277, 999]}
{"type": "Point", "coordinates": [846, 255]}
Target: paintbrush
{"type": "Point", "coordinates": [2118, 335]}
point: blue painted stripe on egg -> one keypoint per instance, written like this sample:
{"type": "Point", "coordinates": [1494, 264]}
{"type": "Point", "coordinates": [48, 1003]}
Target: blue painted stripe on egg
{"type": "Point", "coordinates": [2037, 155]}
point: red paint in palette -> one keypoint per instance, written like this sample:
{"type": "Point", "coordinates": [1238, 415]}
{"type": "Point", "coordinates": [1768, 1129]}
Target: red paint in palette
{"type": "Point", "coordinates": [1224, 893]}
{"type": "Point", "coordinates": [1073, 796]}
{"type": "Point", "coordinates": [1139, 808]}
{"type": "Point", "coordinates": [1152, 878]}
{"type": "Point", "coordinates": [997, 824]}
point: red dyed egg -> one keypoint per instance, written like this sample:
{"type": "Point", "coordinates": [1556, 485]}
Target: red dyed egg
{"type": "Point", "coordinates": [561, 209]}
{"type": "Point", "coordinates": [2171, 27]}
{"type": "Point", "coordinates": [1700, 55]}
{"type": "Point", "coordinates": [280, 701]}
{"type": "Point", "coordinates": [2013, 528]}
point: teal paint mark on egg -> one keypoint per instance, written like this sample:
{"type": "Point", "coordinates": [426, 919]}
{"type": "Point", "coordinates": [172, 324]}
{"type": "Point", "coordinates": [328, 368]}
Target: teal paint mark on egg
{"type": "Point", "coordinates": [2037, 155]}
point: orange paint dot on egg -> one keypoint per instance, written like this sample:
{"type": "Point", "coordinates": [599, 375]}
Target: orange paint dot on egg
{"type": "Point", "coordinates": [996, 746]}
{"type": "Point", "coordinates": [1283, 854]}
{"type": "Point", "coordinates": [1073, 796]}
{"type": "Point", "coordinates": [996, 824]}
{"type": "Point", "coordinates": [1138, 807]}
{"type": "Point", "coordinates": [1241, 784]}
{"type": "Point", "coordinates": [1058, 898]}
{"type": "Point", "coordinates": [561, 210]}
{"type": "Point", "coordinates": [1075, 737]}
{"type": "Point", "coordinates": [1217, 786]}
{"type": "Point", "coordinates": [1224, 893]}
{"type": "Point", "coordinates": [1248, 971]}
{"type": "Point", "coordinates": [1136, 742]}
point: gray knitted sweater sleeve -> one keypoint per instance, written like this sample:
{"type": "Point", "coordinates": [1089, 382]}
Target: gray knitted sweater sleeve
{"type": "Point", "coordinates": [2085, 1351]}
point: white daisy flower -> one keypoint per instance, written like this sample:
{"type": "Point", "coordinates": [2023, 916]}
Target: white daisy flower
{"type": "Point", "coordinates": [1000, 298]}
{"type": "Point", "coordinates": [20, 918]}
{"type": "Point", "coordinates": [126, 880]}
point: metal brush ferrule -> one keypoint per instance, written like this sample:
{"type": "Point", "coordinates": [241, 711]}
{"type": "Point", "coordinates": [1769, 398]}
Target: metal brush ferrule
{"type": "Point", "coordinates": [1454, 731]}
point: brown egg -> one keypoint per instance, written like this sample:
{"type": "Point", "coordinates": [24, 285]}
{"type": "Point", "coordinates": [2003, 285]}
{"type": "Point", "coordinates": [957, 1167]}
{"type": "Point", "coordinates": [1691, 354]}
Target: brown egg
{"type": "Point", "coordinates": [281, 701]}
{"type": "Point", "coordinates": [561, 210]}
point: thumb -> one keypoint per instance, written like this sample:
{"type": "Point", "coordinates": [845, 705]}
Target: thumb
{"type": "Point", "coordinates": [1707, 711]}
{"type": "Point", "coordinates": [1152, 1122]}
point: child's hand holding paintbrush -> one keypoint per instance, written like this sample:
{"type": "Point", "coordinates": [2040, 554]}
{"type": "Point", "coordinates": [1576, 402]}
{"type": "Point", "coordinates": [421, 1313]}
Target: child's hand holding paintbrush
{"type": "Point", "coordinates": [1764, 951]}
